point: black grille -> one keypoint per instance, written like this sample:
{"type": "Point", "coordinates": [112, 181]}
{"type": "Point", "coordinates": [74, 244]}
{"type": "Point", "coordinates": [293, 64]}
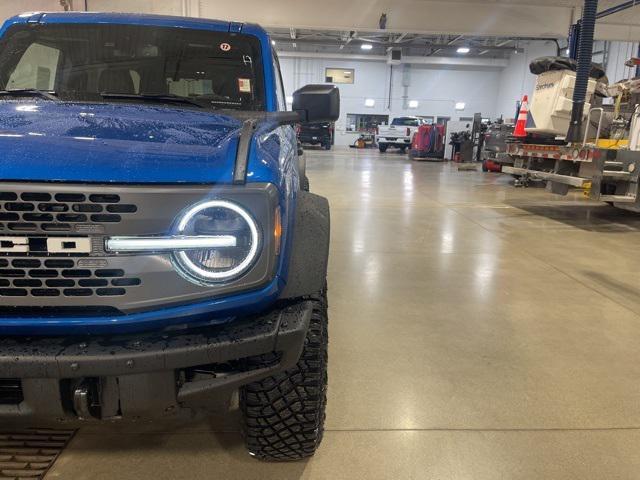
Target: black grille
{"type": "Point", "coordinates": [10, 391]}
{"type": "Point", "coordinates": [59, 212]}
{"type": "Point", "coordinates": [20, 277]}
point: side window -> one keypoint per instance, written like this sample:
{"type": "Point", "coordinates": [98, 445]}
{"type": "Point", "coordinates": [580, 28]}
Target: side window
{"type": "Point", "coordinates": [282, 102]}
{"type": "Point", "coordinates": [36, 69]}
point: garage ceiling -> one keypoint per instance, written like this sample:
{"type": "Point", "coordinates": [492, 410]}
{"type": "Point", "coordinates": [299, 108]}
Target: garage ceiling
{"type": "Point", "coordinates": [350, 42]}
{"type": "Point", "coordinates": [486, 18]}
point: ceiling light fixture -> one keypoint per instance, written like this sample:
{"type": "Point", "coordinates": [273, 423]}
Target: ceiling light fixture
{"type": "Point", "coordinates": [460, 106]}
{"type": "Point", "coordinates": [370, 102]}
{"type": "Point", "coordinates": [366, 46]}
{"type": "Point", "coordinates": [463, 50]}
{"type": "Point", "coordinates": [413, 103]}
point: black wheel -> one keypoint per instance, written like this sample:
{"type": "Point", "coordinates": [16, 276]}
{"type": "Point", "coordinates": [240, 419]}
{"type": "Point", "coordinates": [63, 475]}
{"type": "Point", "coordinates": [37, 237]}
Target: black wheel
{"type": "Point", "coordinates": [484, 167]}
{"type": "Point", "coordinates": [284, 414]}
{"type": "Point", "coordinates": [403, 150]}
{"type": "Point", "coordinates": [327, 146]}
{"type": "Point", "coordinates": [382, 148]}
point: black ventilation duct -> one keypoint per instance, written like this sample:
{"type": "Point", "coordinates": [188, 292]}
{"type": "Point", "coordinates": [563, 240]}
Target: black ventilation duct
{"type": "Point", "coordinates": [585, 51]}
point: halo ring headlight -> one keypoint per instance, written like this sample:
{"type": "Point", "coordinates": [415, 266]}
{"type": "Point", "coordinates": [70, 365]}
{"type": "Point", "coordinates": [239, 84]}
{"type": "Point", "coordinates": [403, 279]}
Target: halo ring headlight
{"type": "Point", "coordinates": [194, 264]}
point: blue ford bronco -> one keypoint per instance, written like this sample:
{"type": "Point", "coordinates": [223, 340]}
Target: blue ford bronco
{"type": "Point", "coordinates": [159, 248]}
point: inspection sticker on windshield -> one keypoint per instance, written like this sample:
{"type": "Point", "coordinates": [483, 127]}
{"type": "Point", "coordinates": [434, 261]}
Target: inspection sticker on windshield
{"type": "Point", "coordinates": [244, 85]}
{"type": "Point", "coordinates": [225, 47]}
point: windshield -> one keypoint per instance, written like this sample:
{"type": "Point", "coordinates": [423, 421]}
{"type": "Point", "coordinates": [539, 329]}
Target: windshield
{"type": "Point", "coordinates": [111, 63]}
{"type": "Point", "coordinates": [406, 122]}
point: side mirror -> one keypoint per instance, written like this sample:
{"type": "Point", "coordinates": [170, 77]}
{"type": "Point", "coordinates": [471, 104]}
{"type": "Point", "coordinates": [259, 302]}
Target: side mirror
{"type": "Point", "coordinates": [317, 103]}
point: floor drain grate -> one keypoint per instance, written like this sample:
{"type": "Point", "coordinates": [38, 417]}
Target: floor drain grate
{"type": "Point", "coordinates": [30, 453]}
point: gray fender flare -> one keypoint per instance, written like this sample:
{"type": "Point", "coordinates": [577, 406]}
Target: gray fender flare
{"type": "Point", "coordinates": [310, 250]}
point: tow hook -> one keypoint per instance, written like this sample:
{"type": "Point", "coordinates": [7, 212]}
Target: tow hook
{"type": "Point", "coordinates": [86, 401]}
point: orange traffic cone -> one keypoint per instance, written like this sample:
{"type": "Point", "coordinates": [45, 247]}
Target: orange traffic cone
{"type": "Point", "coordinates": [522, 118]}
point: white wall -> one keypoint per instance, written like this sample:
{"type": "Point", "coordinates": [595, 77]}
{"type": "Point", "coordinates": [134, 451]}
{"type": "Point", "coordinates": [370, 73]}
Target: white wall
{"type": "Point", "coordinates": [436, 89]}
{"type": "Point", "coordinates": [161, 7]}
{"type": "Point", "coordinates": [516, 80]}
{"type": "Point", "coordinates": [10, 8]}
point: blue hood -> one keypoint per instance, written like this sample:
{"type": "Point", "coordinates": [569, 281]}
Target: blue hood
{"type": "Point", "coordinates": [120, 143]}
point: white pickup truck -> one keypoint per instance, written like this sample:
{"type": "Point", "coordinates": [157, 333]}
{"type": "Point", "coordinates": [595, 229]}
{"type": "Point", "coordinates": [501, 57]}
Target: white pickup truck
{"type": "Point", "coordinates": [399, 134]}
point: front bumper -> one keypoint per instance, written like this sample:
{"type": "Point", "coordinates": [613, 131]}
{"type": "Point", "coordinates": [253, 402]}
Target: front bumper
{"type": "Point", "coordinates": [314, 139]}
{"type": "Point", "coordinates": [395, 141]}
{"type": "Point", "coordinates": [146, 376]}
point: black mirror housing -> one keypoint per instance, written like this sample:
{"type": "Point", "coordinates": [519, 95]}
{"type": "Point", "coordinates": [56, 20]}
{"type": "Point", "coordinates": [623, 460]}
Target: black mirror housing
{"type": "Point", "coordinates": [317, 103]}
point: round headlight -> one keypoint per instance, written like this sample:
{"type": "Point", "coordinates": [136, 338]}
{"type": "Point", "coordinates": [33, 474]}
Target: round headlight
{"type": "Point", "coordinates": [224, 218]}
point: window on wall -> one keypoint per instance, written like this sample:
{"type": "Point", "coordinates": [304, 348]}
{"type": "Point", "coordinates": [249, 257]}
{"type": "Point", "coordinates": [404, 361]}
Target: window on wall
{"type": "Point", "coordinates": [339, 75]}
{"type": "Point", "coordinates": [365, 123]}
{"type": "Point", "coordinates": [466, 119]}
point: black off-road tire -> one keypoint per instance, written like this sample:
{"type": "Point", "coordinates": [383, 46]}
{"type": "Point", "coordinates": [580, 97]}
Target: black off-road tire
{"type": "Point", "coordinates": [382, 148]}
{"type": "Point", "coordinates": [283, 415]}
{"type": "Point", "coordinates": [327, 146]}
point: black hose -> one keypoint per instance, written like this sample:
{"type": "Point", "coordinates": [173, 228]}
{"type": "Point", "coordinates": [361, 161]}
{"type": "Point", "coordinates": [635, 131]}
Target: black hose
{"type": "Point", "coordinates": [585, 55]}
{"type": "Point", "coordinates": [617, 8]}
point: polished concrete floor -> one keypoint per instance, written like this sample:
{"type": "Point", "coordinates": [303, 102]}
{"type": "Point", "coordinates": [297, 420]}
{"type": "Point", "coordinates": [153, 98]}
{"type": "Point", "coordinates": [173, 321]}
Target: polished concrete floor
{"type": "Point", "coordinates": [478, 331]}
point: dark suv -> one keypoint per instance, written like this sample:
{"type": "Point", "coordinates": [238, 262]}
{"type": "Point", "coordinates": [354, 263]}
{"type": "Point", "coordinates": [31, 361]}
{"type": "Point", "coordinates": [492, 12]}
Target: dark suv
{"type": "Point", "coordinates": [316, 134]}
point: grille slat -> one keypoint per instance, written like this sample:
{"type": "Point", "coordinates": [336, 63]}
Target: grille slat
{"type": "Point", "coordinates": [27, 282]}
{"type": "Point", "coordinates": [70, 197]}
{"type": "Point", "coordinates": [59, 263]}
{"type": "Point", "coordinates": [38, 217]}
{"type": "Point", "coordinates": [11, 273]}
{"type": "Point", "coordinates": [60, 282]}
{"type": "Point", "coordinates": [23, 227]}
{"type": "Point", "coordinates": [45, 292]}
{"type": "Point", "coordinates": [19, 207]}
{"type": "Point", "coordinates": [13, 292]}
{"type": "Point", "coordinates": [25, 263]}
{"type": "Point", "coordinates": [104, 198]}
{"type": "Point", "coordinates": [35, 197]}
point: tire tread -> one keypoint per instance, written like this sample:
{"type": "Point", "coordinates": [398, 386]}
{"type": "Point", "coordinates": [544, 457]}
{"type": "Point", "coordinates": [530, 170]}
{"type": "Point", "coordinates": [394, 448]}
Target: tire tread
{"type": "Point", "coordinates": [284, 414]}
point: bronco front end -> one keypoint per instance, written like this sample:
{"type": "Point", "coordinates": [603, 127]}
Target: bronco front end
{"type": "Point", "coordinates": [157, 251]}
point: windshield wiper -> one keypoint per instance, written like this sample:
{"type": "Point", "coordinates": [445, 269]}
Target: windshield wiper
{"type": "Point", "coordinates": [152, 97]}
{"type": "Point", "coordinates": [30, 92]}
